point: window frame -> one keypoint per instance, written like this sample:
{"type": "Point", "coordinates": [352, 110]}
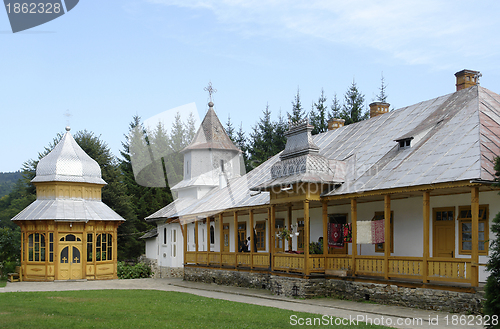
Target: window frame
{"type": "Point", "coordinates": [461, 220]}
{"type": "Point", "coordinates": [260, 227]}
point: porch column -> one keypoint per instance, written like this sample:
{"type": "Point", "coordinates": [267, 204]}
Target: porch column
{"type": "Point", "coordinates": [290, 225]}
{"type": "Point", "coordinates": [354, 220]}
{"type": "Point", "coordinates": [425, 256]}
{"type": "Point", "coordinates": [306, 237]}
{"type": "Point", "coordinates": [208, 240]}
{"type": "Point", "coordinates": [235, 219]}
{"type": "Point", "coordinates": [252, 237]}
{"type": "Point", "coordinates": [272, 214]}
{"type": "Point", "coordinates": [325, 229]}
{"type": "Point", "coordinates": [185, 240]}
{"type": "Point", "coordinates": [221, 234]}
{"type": "Point", "coordinates": [475, 236]}
{"type": "Point", "coordinates": [196, 241]}
{"type": "Point", "coordinates": [388, 238]}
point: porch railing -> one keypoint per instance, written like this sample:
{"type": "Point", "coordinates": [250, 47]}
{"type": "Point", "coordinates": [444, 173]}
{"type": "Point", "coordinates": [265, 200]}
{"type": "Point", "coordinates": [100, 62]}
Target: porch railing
{"type": "Point", "coordinates": [438, 269]}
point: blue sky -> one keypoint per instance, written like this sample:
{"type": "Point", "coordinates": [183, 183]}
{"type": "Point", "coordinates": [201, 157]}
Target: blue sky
{"type": "Point", "coordinates": [106, 61]}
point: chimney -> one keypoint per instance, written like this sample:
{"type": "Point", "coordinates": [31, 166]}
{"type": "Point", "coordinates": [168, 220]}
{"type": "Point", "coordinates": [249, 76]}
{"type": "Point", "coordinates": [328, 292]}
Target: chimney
{"type": "Point", "coordinates": [378, 108]}
{"type": "Point", "coordinates": [467, 78]}
{"type": "Point", "coordinates": [335, 123]}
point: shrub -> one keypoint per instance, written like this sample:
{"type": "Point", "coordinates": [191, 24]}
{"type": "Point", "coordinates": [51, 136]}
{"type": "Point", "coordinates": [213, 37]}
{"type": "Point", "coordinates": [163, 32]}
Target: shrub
{"type": "Point", "coordinates": [139, 270]}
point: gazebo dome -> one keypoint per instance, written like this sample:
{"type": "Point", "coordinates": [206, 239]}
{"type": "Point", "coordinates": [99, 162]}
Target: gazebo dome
{"type": "Point", "coordinates": [67, 162]}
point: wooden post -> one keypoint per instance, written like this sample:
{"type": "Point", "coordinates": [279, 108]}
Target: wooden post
{"type": "Point", "coordinates": [185, 240]}
{"type": "Point", "coordinates": [208, 241]}
{"type": "Point", "coordinates": [221, 234]}
{"type": "Point", "coordinates": [425, 256]}
{"type": "Point", "coordinates": [196, 241]}
{"type": "Point", "coordinates": [388, 238]}
{"type": "Point", "coordinates": [252, 237]}
{"type": "Point", "coordinates": [235, 217]}
{"type": "Point", "coordinates": [475, 236]}
{"type": "Point", "coordinates": [290, 225]}
{"type": "Point", "coordinates": [272, 214]}
{"type": "Point", "coordinates": [325, 229]}
{"type": "Point", "coordinates": [306, 237]}
{"type": "Point", "coordinates": [354, 223]}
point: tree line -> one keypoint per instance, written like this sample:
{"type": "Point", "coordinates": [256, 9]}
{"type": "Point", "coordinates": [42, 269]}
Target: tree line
{"type": "Point", "coordinates": [135, 201]}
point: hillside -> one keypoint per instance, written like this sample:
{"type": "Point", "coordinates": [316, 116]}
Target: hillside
{"type": "Point", "coordinates": [7, 181]}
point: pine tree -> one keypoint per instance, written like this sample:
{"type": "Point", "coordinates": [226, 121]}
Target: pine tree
{"type": "Point", "coordinates": [336, 109]}
{"type": "Point", "coordinates": [382, 96]}
{"type": "Point", "coordinates": [230, 129]}
{"type": "Point", "coordinates": [492, 288]}
{"type": "Point", "coordinates": [318, 115]}
{"type": "Point", "coordinates": [297, 110]}
{"type": "Point", "coordinates": [352, 109]}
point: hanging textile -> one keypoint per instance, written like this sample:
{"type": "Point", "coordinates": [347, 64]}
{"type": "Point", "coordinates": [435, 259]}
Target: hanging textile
{"type": "Point", "coordinates": [364, 232]}
{"type": "Point", "coordinates": [347, 232]}
{"type": "Point", "coordinates": [378, 231]}
{"type": "Point", "coordinates": [335, 235]}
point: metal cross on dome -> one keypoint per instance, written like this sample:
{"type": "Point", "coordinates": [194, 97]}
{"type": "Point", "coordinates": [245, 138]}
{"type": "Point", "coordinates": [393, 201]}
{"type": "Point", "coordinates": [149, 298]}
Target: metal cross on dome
{"type": "Point", "coordinates": [210, 89]}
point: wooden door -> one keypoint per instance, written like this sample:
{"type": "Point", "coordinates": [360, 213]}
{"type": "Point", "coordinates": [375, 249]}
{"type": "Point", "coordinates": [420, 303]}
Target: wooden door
{"type": "Point", "coordinates": [70, 265]}
{"type": "Point", "coordinates": [443, 232]}
{"type": "Point", "coordinates": [242, 235]}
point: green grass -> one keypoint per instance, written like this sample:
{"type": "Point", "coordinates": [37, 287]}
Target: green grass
{"type": "Point", "coordinates": [136, 309]}
{"type": "Point", "coordinates": [3, 283]}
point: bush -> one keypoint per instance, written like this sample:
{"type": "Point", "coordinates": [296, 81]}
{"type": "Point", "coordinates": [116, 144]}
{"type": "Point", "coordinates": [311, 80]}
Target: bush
{"type": "Point", "coordinates": [139, 270]}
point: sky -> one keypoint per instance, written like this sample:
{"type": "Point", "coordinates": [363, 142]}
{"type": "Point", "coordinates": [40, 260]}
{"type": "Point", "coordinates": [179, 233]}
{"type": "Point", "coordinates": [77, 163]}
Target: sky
{"type": "Point", "coordinates": [106, 61]}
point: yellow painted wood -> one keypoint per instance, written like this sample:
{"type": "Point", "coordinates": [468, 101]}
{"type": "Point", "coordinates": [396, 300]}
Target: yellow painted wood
{"type": "Point", "coordinates": [235, 219]}
{"type": "Point", "coordinates": [221, 232]}
{"type": "Point", "coordinates": [208, 234]}
{"type": "Point", "coordinates": [475, 236]}
{"type": "Point", "coordinates": [252, 237]}
{"type": "Point", "coordinates": [388, 238]}
{"type": "Point", "coordinates": [306, 235]}
{"type": "Point", "coordinates": [426, 212]}
{"type": "Point", "coordinates": [324, 214]}
{"type": "Point", "coordinates": [354, 220]}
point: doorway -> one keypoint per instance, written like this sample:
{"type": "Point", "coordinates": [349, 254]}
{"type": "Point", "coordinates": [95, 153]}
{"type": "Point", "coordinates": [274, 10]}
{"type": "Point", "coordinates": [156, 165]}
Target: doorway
{"type": "Point", "coordinates": [443, 232]}
{"type": "Point", "coordinates": [70, 257]}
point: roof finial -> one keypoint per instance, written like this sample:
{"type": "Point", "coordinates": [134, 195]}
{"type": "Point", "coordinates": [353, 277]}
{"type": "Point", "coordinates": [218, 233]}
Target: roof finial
{"type": "Point", "coordinates": [211, 91]}
{"type": "Point", "coordinates": [67, 115]}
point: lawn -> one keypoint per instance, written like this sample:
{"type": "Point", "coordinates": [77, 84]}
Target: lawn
{"type": "Point", "coordinates": [3, 283]}
{"type": "Point", "coordinates": [136, 309]}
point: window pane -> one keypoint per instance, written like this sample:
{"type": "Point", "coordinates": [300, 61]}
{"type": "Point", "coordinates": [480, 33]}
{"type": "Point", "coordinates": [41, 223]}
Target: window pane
{"type": "Point", "coordinates": [450, 215]}
{"type": "Point", "coordinates": [463, 214]}
{"type": "Point", "coordinates": [467, 227]}
{"type": "Point", "coordinates": [481, 236]}
{"type": "Point", "coordinates": [481, 227]}
{"type": "Point", "coordinates": [64, 255]}
{"type": "Point", "coordinates": [76, 256]}
{"type": "Point", "coordinates": [466, 236]}
{"type": "Point", "coordinates": [481, 245]}
{"type": "Point", "coordinates": [466, 245]}
{"type": "Point", "coordinates": [438, 215]}
{"type": "Point", "coordinates": [70, 237]}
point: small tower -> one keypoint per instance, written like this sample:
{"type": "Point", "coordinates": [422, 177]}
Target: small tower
{"type": "Point", "coordinates": [68, 233]}
{"type": "Point", "coordinates": [210, 160]}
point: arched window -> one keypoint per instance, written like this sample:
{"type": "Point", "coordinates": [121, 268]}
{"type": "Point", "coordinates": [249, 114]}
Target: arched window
{"type": "Point", "coordinates": [104, 247]}
{"type": "Point", "coordinates": [36, 247]}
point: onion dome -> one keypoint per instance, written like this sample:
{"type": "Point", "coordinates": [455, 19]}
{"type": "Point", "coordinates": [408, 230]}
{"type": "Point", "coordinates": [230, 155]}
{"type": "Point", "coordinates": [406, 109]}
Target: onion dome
{"type": "Point", "coordinates": [67, 162]}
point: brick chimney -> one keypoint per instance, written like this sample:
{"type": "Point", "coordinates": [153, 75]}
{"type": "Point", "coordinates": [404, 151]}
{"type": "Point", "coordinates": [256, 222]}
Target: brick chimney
{"type": "Point", "coordinates": [335, 123]}
{"type": "Point", "coordinates": [378, 108]}
{"type": "Point", "coordinates": [467, 78]}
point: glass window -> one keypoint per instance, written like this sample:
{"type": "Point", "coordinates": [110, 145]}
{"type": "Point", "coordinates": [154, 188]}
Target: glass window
{"type": "Point", "coordinates": [36, 247]}
{"type": "Point", "coordinates": [465, 220]}
{"type": "Point", "coordinates": [260, 232]}
{"type": "Point", "coordinates": [104, 247]}
{"type": "Point", "coordinates": [90, 246]}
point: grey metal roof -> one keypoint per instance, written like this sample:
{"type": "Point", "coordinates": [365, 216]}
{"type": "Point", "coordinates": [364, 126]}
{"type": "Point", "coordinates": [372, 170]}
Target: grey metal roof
{"type": "Point", "coordinates": [211, 135]}
{"type": "Point", "coordinates": [67, 162]}
{"type": "Point", "coordinates": [153, 233]}
{"type": "Point", "coordinates": [171, 209]}
{"type": "Point", "coordinates": [455, 138]}
{"type": "Point", "coordinates": [70, 210]}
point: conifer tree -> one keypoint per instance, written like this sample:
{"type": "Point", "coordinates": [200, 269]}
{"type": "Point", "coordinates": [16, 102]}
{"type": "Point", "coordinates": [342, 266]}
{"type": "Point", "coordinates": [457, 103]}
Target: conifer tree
{"type": "Point", "coordinates": [382, 96]}
{"type": "Point", "coordinates": [230, 129]}
{"type": "Point", "coordinates": [297, 110]}
{"type": "Point", "coordinates": [353, 107]}
{"type": "Point", "coordinates": [336, 108]}
{"type": "Point", "coordinates": [318, 115]}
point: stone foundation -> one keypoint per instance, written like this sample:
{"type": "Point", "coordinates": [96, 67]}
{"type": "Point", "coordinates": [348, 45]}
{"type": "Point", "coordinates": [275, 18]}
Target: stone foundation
{"type": "Point", "coordinates": [162, 271]}
{"type": "Point", "coordinates": [389, 294]}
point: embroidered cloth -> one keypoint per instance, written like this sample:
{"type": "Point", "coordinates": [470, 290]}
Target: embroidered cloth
{"type": "Point", "coordinates": [347, 233]}
{"type": "Point", "coordinates": [335, 235]}
{"type": "Point", "coordinates": [364, 235]}
{"type": "Point", "coordinates": [378, 231]}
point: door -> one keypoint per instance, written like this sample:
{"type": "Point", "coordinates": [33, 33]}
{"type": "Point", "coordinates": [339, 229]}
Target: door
{"type": "Point", "coordinates": [336, 219]}
{"type": "Point", "coordinates": [242, 236]}
{"type": "Point", "coordinates": [70, 265]}
{"type": "Point", "coordinates": [70, 257]}
{"type": "Point", "coordinates": [444, 232]}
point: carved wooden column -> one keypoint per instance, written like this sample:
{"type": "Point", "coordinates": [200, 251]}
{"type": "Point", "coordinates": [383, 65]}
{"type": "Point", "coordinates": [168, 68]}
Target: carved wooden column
{"type": "Point", "coordinates": [387, 229]}
{"type": "Point", "coordinates": [475, 236]}
{"type": "Point", "coordinates": [354, 223]}
{"type": "Point", "coordinates": [425, 256]}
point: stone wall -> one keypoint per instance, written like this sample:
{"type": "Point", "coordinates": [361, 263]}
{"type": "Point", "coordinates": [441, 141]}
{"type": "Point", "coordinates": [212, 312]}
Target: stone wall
{"type": "Point", "coordinates": [162, 271]}
{"type": "Point", "coordinates": [429, 299]}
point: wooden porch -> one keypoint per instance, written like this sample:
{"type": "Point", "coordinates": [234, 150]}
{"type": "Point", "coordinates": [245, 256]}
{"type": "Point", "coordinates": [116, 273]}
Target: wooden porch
{"type": "Point", "coordinates": [419, 271]}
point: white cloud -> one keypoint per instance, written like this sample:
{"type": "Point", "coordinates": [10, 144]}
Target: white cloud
{"type": "Point", "coordinates": [406, 29]}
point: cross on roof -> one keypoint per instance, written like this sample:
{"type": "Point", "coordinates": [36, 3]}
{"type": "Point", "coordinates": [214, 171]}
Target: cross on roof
{"type": "Point", "coordinates": [210, 89]}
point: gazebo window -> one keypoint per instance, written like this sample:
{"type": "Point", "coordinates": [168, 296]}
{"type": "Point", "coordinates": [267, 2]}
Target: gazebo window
{"type": "Point", "coordinates": [51, 247]}
{"type": "Point", "coordinates": [36, 247]}
{"type": "Point", "coordinates": [89, 246]}
{"type": "Point", "coordinates": [104, 247]}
